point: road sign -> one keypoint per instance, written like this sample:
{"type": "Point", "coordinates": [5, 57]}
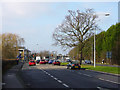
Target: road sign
{"type": "Point", "coordinates": [109, 54]}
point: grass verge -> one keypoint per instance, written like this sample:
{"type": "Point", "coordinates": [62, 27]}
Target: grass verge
{"type": "Point", "coordinates": [114, 70]}
{"type": "Point", "coordinates": [64, 63]}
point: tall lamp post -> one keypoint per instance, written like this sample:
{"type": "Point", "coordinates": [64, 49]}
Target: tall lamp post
{"type": "Point", "coordinates": [106, 14]}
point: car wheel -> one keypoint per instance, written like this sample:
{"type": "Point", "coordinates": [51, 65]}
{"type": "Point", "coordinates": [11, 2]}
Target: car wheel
{"type": "Point", "coordinates": [67, 67]}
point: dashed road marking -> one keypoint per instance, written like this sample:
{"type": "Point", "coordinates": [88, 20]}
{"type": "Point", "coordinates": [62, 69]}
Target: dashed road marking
{"type": "Point", "coordinates": [59, 81]}
{"type": "Point", "coordinates": [101, 79]}
{"type": "Point", "coordinates": [56, 79]}
{"type": "Point", "coordinates": [52, 76]}
{"type": "Point", "coordinates": [65, 85]}
{"type": "Point", "coordinates": [3, 83]}
{"type": "Point", "coordinates": [87, 75]}
{"type": "Point", "coordinates": [109, 81]}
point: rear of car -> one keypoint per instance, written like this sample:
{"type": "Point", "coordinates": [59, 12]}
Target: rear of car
{"type": "Point", "coordinates": [37, 61]}
{"type": "Point", "coordinates": [87, 61]}
{"type": "Point", "coordinates": [46, 60]}
{"type": "Point", "coordinates": [50, 61]}
{"type": "Point", "coordinates": [73, 66]}
{"type": "Point", "coordinates": [42, 62]}
{"type": "Point", "coordinates": [32, 62]}
{"type": "Point", "coordinates": [56, 62]}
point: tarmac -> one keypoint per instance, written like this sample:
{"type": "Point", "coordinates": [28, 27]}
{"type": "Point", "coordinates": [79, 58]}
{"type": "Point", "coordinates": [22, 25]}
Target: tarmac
{"type": "Point", "coordinates": [10, 79]}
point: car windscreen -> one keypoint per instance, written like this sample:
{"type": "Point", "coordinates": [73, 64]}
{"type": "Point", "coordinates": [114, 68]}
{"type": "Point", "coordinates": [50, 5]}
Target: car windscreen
{"type": "Point", "coordinates": [75, 62]}
{"type": "Point", "coordinates": [42, 60]}
{"type": "Point", "coordinates": [32, 61]}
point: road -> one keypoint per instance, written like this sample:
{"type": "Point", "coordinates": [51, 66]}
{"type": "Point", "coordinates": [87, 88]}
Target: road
{"type": "Point", "coordinates": [50, 76]}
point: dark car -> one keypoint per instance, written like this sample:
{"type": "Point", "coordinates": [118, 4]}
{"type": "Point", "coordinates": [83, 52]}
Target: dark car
{"type": "Point", "coordinates": [32, 62]}
{"type": "Point", "coordinates": [46, 60]}
{"type": "Point", "coordinates": [87, 61]}
{"type": "Point", "coordinates": [56, 62]}
{"type": "Point", "coordinates": [73, 65]}
{"type": "Point", "coordinates": [68, 60]}
{"type": "Point", "coordinates": [37, 61]}
{"type": "Point", "coordinates": [51, 61]}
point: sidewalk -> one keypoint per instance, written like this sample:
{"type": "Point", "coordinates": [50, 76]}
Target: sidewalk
{"type": "Point", "coordinates": [10, 80]}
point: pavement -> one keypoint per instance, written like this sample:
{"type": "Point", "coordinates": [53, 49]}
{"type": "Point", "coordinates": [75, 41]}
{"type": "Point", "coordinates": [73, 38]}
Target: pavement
{"type": "Point", "coordinates": [10, 79]}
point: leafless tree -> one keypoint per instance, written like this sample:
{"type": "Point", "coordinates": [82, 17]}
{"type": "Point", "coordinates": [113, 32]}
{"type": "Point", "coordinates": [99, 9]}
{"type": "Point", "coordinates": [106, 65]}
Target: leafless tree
{"type": "Point", "coordinates": [77, 27]}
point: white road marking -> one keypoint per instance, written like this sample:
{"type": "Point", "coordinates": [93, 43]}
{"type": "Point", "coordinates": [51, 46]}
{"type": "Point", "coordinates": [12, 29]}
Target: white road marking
{"type": "Point", "coordinates": [52, 76]}
{"type": "Point", "coordinates": [55, 78]}
{"type": "Point", "coordinates": [101, 79]}
{"type": "Point", "coordinates": [109, 81]}
{"type": "Point", "coordinates": [59, 81]}
{"type": "Point", "coordinates": [65, 85]}
{"type": "Point", "coordinates": [3, 83]}
{"type": "Point", "coordinates": [87, 75]}
{"type": "Point", "coordinates": [48, 74]}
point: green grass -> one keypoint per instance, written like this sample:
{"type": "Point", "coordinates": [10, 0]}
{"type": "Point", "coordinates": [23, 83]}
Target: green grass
{"type": "Point", "coordinates": [114, 70]}
{"type": "Point", "coordinates": [64, 63]}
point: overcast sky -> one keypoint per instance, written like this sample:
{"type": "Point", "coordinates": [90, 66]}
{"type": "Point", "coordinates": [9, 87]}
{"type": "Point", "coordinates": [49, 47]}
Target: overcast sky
{"type": "Point", "coordinates": [36, 21]}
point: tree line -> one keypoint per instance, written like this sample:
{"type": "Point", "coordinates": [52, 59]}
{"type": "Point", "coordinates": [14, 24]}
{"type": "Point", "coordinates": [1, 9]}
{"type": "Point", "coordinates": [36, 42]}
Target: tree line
{"type": "Point", "coordinates": [106, 41]}
{"type": "Point", "coordinates": [9, 45]}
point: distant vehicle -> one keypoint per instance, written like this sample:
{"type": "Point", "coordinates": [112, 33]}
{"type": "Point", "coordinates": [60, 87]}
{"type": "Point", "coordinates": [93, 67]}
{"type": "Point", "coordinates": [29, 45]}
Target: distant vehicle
{"type": "Point", "coordinates": [42, 61]}
{"type": "Point", "coordinates": [37, 61]}
{"type": "Point", "coordinates": [56, 62]}
{"type": "Point", "coordinates": [51, 61]}
{"type": "Point", "coordinates": [32, 62]}
{"type": "Point", "coordinates": [46, 60]}
{"type": "Point", "coordinates": [73, 65]}
{"type": "Point", "coordinates": [68, 60]}
{"type": "Point", "coordinates": [87, 61]}
{"type": "Point", "coordinates": [38, 58]}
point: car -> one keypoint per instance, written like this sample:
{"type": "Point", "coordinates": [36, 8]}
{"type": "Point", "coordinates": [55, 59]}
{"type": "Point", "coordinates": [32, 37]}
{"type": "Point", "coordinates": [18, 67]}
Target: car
{"type": "Point", "coordinates": [68, 60]}
{"type": "Point", "coordinates": [56, 62]}
{"type": "Point", "coordinates": [50, 61]}
{"type": "Point", "coordinates": [87, 61]}
{"type": "Point", "coordinates": [32, 62]}
{"type": "Point", "coordinates": [42, 61]}
{"type": "Point", "coordinates": [46, 60]}
{"type": "Point", "coordinates": [37, 61]}
{"type": "Point", "coordinates": [73, 65]}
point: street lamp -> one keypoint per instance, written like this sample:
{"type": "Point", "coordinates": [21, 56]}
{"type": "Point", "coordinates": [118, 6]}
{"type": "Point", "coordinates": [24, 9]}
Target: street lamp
{"type": "Point", "coordinates": [106, 14]}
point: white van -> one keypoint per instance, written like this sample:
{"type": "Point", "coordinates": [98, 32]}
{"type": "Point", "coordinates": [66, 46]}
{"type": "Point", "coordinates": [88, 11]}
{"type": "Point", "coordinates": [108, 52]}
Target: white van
{"type": "Point", "coordinates": [38, 58]}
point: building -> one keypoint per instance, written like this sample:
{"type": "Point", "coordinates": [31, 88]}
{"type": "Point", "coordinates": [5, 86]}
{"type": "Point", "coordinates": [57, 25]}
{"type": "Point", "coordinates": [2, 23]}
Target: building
{"type": "Point", "coordinates": [25, 53]}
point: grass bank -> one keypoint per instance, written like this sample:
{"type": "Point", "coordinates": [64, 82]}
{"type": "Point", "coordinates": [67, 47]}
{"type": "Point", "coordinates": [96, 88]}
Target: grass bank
{"type": "Point", "coordinates": [114, 70]}
{"type": "Point", "coordinates": [64, 63]}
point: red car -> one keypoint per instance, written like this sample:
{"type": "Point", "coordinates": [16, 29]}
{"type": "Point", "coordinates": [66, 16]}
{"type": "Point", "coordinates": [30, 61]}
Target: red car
{"type": "Point", "coordinates": [32, 62]}
{"type": "Point", "coordinates": [56, 62]}
{"type": "Point", "coordinates": [42, 62]}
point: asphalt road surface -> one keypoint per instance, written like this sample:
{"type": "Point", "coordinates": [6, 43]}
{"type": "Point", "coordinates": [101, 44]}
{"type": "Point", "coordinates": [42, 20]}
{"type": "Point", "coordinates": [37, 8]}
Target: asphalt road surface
{"type": "Point", "coordinates": [53, 76]}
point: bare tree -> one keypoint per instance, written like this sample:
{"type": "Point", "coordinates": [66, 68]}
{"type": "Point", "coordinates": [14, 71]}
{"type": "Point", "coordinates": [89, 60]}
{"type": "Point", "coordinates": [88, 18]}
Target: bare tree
{"type": "Point", "coordinates": [75, 29]}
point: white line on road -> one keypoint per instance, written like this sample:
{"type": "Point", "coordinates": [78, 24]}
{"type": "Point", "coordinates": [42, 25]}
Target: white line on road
{"type": "Point", "coordinates": [55, 78]}
{"type": "Point", "coordinates": [52, 76]}
{"type": "Point", "coordinates": [59, 81]}
{"type": "Point", "coordinates": [65, 85]}
{"type": "Point", "coordinates": [109, 81]}
{"type": "Point", "coordinates": [87, 75]}
{"type": "Point", "coordinates": [101, 79]}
